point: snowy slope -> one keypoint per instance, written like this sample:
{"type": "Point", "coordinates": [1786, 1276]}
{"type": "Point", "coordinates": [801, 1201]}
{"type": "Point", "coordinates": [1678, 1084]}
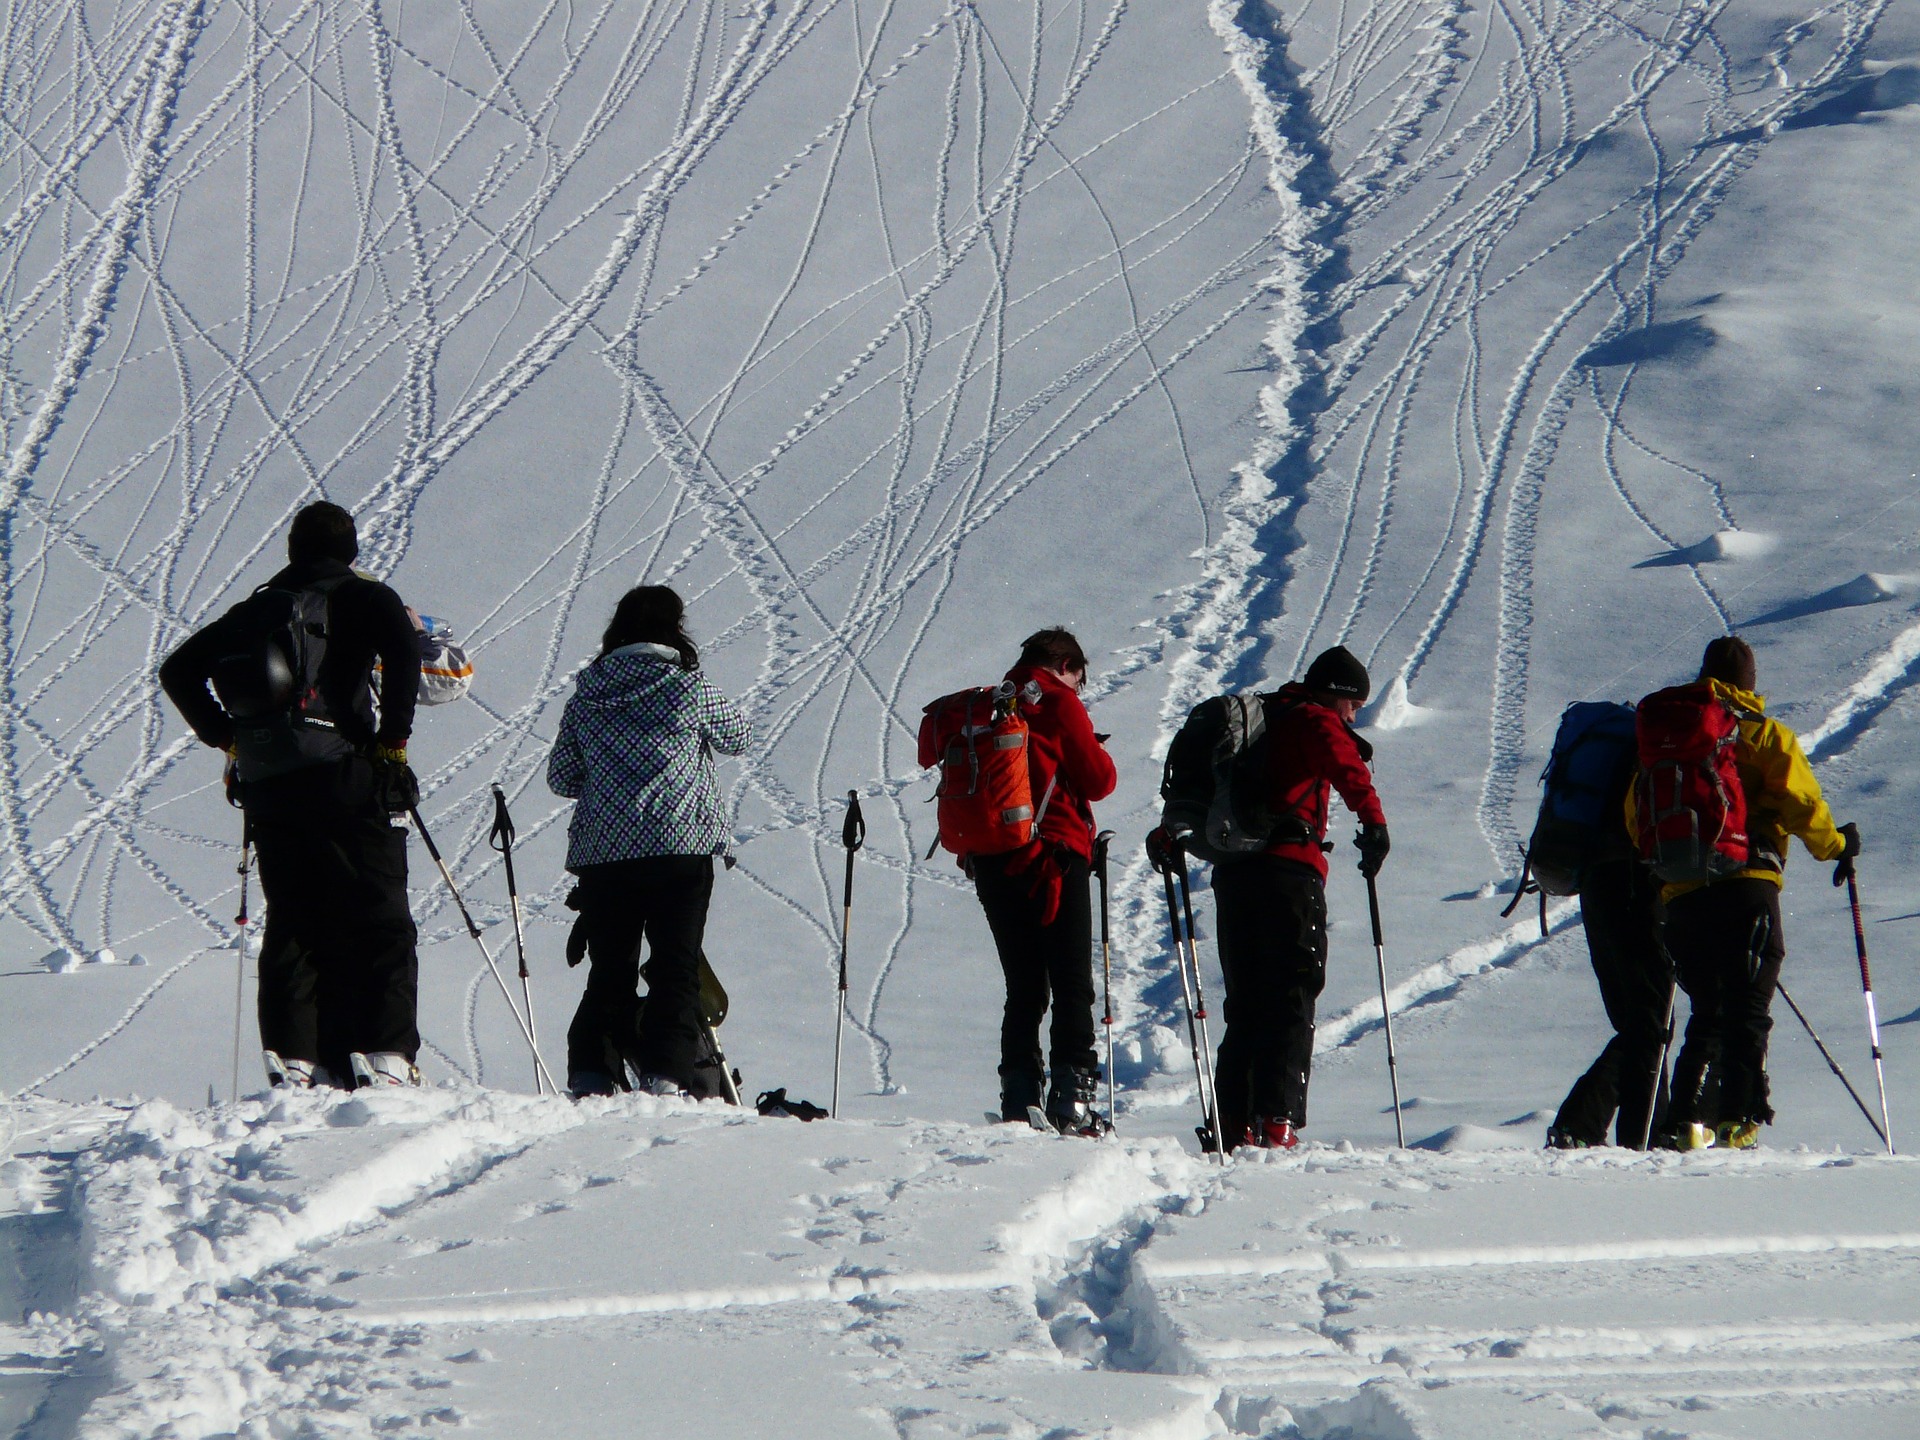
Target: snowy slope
{"type": "Point", "coordinates": [1519, 348]}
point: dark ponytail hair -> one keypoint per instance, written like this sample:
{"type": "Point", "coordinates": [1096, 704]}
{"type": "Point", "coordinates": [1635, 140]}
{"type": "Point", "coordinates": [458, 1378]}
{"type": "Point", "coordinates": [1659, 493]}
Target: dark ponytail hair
{"type": "Point", "coordinates": [654, 614]}
{"type": "Point", "coordinates": [1053, 649]}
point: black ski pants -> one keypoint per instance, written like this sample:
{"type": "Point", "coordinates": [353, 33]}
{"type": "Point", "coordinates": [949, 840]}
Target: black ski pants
{"type": "Point", "coordinates": [1620, 910]}
{"type": "Point", "coordinates": [1042, 963]}
{"type": "Point", "coordinates": [1272, 916]}
{"type": "Point", "coordinates": [661, 901]}
{"type": "Point", "coordinates": [1727, 948]}
{"type": "Point", "coordinates": [338, 966]}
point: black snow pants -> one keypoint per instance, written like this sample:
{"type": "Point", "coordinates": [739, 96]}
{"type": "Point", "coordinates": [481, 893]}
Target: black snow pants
{"type": "Point", "coordinates": [660, 900]}
{"type": "Point", "coordinates": [1620, 910]}
{"type": "Point", "coordinates": [338, 967]}
{"type": "Point", "coordinates": [1042, 963]}
{"type": "Point", "coordinates": [1273, 958]}
{"type": "Point", "coordinates": [1727, 948]}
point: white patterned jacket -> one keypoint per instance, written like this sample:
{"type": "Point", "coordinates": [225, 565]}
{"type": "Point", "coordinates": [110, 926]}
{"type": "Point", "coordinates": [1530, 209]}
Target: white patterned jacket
{"type": "Point", "coordinates": [635, 749]}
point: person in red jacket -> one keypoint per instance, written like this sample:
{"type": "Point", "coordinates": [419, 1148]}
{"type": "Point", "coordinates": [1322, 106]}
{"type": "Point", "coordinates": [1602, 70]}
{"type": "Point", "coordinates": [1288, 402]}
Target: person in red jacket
{"type": "Point", "coordinates": [1272, 906]}
{"type": "Point", "coordinates": [1036, 897]}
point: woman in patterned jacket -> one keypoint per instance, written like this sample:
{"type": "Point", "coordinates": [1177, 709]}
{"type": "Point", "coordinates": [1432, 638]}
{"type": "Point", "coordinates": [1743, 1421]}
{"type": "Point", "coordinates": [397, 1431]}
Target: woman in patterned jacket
{"type": "Point", "coordinates": [635, 749]}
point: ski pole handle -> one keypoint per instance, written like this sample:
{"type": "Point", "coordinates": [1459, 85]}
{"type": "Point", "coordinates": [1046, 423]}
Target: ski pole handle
{"type": "Point", "coordinates": [1373, 913]}
{"type": "Point", "coordinates": [853, 834]}
{"type": "Point", "coordinates": [246, 855]}
{"type": "Point", "coordinates": [1859, 934]}
{"type": "Point", "coordinates": [503, 832]}
{"type": "Point", "coordinates": [502, 821]}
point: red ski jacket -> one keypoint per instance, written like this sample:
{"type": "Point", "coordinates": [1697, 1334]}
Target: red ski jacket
{"type": "Point", "coordinates": [1310, 751]}
{"type": "Point", "coordinates": [1062, 750]}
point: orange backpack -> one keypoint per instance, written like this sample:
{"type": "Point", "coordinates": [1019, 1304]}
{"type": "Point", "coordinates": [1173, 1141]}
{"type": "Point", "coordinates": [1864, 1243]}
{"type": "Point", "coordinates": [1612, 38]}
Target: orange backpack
{"type": "Point", "coordinates": [985, 799]}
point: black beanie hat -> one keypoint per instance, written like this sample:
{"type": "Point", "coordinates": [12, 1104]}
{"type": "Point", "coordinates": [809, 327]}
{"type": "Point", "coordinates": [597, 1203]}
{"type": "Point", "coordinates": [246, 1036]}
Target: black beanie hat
{"type": "Point", "coordinates": [1729, 659]}
{"type": "Point", "coordinates": [1339, 672]}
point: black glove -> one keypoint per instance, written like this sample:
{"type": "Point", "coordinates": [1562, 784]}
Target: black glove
{"type": "Point", "coordinates": [394, 782]}
{"type": "Point", "coordinates": [1163, 850]}
{"type": "Point", "coordinates": [778, 1102]}
{"type": "Point", "coordinates": [1373, 845]}
{"type": "Point", "coordinates": [1843, 870]}
{"type": "Point", "coordinates": [577, 936]}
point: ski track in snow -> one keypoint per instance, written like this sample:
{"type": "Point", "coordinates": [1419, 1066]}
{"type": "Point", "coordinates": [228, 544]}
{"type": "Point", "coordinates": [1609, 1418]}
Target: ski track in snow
{"type": "Point", "coordinates": [490, 222]}
{"type": "Point", "coordinates": [486, 214]}
{"type": "Point", "coordinates": [488, 258]}
{"type": "Point", "coordinates": [1449, 249]}
{"type": "Point", "coordinates": [312, 1255]}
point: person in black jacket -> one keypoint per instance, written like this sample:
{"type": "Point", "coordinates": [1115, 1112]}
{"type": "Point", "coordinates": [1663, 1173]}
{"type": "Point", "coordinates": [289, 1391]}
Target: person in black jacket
{"type": "Point", "coordinates": [1620, 913]}
{"type": "Point", "coordinates": [323, 779]}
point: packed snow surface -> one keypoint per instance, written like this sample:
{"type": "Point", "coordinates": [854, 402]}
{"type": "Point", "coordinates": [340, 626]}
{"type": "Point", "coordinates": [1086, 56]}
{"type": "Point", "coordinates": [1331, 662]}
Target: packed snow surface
{"type": "Point", "coordinates": [1519, 348]}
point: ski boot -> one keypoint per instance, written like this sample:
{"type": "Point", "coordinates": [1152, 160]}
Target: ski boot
{"type": "Point", "coordinates": [1558, 1139]}
{"type": "Point", "coordinates": [294, 1074]}
{"type": "Point", "coordinates": [1737, 1134]}
{"type": "Point", "coordinates": [663, 1086]}
{"type": "Point", "coordinates": [1019, 1093]}
{"type": "Point", "coordinates": [582, 1083]}
{"type": "Point", "coordinates": [382, 1067]}
{"type": "Point", "coordinates": [1268, 1132]}
{"type": "Point", "coordinates": [1693, 1137]}
{"type": "Point", "coordinates": [1070, 1104]}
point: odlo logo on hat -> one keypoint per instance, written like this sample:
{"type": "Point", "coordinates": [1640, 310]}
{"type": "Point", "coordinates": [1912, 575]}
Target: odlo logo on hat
{"type": "Point", "coordinates": [1339, 672]}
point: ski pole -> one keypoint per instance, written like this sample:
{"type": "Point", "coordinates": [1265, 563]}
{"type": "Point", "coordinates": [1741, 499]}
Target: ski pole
{"type": "Point", "coordinates": [240, 949]}
{"type": "Point", "coordinates": [501, 839]}
{"type": "Point", "coordinates": [1386, 1010]}
{"type": "Point", "coordinates": [540, 1066]}
{"type": "Point", "coordinates": [1833, 1064]}
{"type": "Point", "coordinates": [1100, 842]}
{"type": "Point", "coordinates": [1209, 1121]}
{"type": "Point", "coordinates": [1660, 1075]}
{"type": "Point", "coordinates": [1873, 1020]}
{"type": "Point", "coordinates": [731, 1089]}
{"type": "Point", "coordinates": [853, 834]}
{"type": "Point", "coordinates": [1200, 1008]}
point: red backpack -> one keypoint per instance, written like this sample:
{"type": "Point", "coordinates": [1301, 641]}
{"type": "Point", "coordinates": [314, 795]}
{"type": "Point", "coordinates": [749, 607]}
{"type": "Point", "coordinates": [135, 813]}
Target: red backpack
{"type": "Point", "coordinates": [978, 738]}
{"type": "Point", "coordinates": [1690, 810]}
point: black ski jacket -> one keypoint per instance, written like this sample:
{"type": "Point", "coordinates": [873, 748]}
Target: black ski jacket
{"type": "Point", "coordinates": [365, 620]}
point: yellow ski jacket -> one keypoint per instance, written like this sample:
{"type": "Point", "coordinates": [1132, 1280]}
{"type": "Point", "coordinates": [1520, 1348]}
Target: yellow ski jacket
{"type": "Point", "coordinates": [1783, 798]}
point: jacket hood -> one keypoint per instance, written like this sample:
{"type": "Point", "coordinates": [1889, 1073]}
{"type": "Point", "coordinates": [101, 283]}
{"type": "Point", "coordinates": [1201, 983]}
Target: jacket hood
{"type": "Point", "coordinates": [628, 674]}
{"type": "Point", "coordinates": [1738, 698]}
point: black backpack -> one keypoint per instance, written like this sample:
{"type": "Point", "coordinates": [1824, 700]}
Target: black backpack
{"type": "Point", "coordinates": [267, 677]}
{"type": "Point", "coordinates": [1215, 781]}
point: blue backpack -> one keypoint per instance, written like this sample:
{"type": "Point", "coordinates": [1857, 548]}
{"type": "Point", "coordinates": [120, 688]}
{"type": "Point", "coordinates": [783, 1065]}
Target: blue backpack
{"type": "Point", "coordinates": [1582, 819]}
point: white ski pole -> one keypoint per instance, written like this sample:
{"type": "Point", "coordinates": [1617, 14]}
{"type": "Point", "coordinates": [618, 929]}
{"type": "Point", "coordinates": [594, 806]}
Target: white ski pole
{"type": "Point", "coordinates": [1873, 1020]}
{"type": "Point", "coordinates": [853, 834]}
{"type": "Point", "coordinates": [240, 950]}
{"type": "Point", "coordinates": [540, 1066]}
{"type": "Point", "coordinates": [502, 840]}
{"type": "Point", "coordinates": [1386, 1010]}
{"type": "Point", "coordinates": [1100, 843]}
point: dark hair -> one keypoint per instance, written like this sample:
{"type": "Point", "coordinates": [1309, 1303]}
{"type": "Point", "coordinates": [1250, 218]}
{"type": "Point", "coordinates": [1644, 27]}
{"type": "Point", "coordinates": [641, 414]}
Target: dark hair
{"type": "Point", "coordinates": [1729, 659]}
{"type": "Point", "coordinates": [653, 614]}
{"type": "Point", "coordinates": [322, 531]}
{"type": "Point", "coordinates": [1053, 649]}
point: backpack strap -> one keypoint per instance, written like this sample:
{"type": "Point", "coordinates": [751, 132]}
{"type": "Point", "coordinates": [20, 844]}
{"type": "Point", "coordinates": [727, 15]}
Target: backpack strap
{"type": "Point", "coordinates": [1527, 887]}
{"type": "Point", "coordinates": [1045, 798]}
